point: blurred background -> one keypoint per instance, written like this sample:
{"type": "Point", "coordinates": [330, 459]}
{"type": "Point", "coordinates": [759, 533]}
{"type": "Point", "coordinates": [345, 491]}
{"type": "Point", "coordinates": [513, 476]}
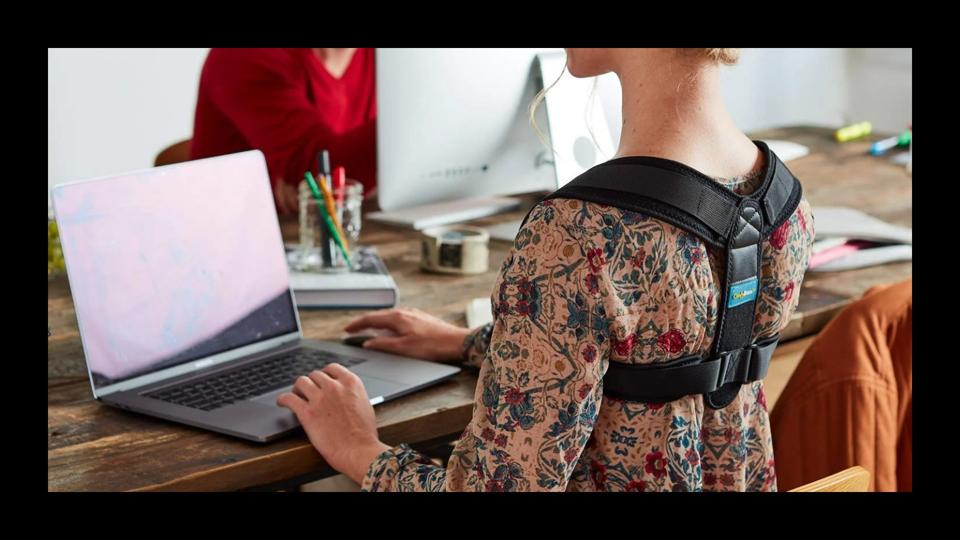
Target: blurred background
{"type": "Point", "coordinates": [113, 110]}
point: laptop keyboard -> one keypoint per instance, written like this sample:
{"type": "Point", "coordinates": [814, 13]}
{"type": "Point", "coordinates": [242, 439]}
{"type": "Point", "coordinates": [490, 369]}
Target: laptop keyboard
{"type": "Point", "coordinates": [249, 381]}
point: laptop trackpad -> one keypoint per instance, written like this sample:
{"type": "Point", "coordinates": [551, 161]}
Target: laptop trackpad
{"type": "Point", "coordinates": [376, 388]}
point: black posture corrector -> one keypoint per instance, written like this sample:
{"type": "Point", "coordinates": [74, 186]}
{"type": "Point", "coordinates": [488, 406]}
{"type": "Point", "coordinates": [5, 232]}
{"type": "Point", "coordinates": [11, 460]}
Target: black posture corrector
{"type": "Point", "coordinates": [736, 224]}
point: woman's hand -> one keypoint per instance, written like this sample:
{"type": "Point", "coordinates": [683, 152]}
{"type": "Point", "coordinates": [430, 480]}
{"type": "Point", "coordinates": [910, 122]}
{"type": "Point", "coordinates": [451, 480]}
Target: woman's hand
{"type": "Point", "coordinates": [418, 335]}
{"type": "Point", "coordinates": [333, 408]}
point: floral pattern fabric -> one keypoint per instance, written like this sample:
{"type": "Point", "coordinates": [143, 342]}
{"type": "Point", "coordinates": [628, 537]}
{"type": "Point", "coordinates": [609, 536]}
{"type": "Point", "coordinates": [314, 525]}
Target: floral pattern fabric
{"type": "Point", "coordinates": [583, 285]}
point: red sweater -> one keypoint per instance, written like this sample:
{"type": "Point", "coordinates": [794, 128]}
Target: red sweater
{"type": "Point", "coordinates": [286, 104]}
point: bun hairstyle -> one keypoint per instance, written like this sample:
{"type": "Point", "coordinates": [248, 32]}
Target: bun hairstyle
{"type": "Point", "coordinates": [720, 56]}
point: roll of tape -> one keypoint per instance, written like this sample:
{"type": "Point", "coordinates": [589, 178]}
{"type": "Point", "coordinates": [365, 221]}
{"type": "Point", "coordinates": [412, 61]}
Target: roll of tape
{"type": "Point", "coordinates": [457, 249]}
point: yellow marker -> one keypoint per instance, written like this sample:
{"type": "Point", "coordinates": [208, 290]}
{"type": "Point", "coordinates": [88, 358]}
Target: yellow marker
{"type": "Point", "coordinates": [332, 209]}
{"type": "Point", "coordinates": [855, 131]}
{"type": "Point", "coordinates": [341, 242]}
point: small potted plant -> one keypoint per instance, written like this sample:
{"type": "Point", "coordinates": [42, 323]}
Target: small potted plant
{"type": "Point", "coordinates": [54, 253]}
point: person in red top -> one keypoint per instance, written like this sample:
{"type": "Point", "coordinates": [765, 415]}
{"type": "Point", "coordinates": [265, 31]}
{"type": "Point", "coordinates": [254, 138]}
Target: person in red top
{"type": "Point", "coordinates": [290, 104]}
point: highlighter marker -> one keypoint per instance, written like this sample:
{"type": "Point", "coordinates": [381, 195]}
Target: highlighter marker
{"type": "Point", "coordinates": [880, 147]}
{"type": "Point", "coordinates": [854, 131]}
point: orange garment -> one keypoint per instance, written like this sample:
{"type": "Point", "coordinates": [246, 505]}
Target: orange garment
{"type": "Point", "coordinates": [849, 402]}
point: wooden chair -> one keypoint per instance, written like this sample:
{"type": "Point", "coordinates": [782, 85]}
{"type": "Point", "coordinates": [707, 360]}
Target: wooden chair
{"type": "Point", "coordinates": [175, 153]}
{"type": "Point", "coordinates": [854, 479]}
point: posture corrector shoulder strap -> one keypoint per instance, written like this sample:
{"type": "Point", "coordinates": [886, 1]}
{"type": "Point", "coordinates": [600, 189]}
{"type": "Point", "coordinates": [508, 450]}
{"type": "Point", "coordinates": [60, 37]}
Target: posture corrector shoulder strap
{"type": "Point", "coordinates": [736, 224]}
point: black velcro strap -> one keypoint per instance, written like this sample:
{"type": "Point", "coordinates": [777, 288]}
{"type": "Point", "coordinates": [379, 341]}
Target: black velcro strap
{"type": "Point", "coordinates": [737, 224]}
{"type": "Point", "coordinates": [741, 286]}
{"type": "Point", "coordinates": [778, 192]}
{"type": "Point", "coordinates": [701, 198]}
{"type": "Point", "coordinates": [749, 364]}
{"type": "Point", "coordinates": [741, 281]}
{"type": "Point", "coordinates": [683, 196]}
{"type": "Point", "coordinates": [660, 383]}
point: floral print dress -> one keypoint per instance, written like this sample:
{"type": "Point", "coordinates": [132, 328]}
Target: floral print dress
{"type": "Point", "coordinates": [583, 285]}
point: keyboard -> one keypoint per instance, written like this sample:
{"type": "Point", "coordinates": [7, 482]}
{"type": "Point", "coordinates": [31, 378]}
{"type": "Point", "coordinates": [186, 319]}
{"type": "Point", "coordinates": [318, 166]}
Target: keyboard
{"type": "Point", "coordinates": [249, 381]}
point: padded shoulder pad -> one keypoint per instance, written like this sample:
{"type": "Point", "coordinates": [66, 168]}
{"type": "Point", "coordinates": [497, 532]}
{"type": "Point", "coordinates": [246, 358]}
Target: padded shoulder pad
{"type": "Point", "coordinates": [685, 197]}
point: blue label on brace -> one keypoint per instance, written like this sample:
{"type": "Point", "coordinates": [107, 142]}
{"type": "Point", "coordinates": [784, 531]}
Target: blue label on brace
{"type": "Point", "coordinates": [742, 292]}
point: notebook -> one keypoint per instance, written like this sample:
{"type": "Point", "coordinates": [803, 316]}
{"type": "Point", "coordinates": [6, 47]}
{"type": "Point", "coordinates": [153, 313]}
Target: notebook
{"type": "Point", "coordinates": [369, 285]}
{"type": "Point", "coordinates": [848, 239]}
{"type": "Point", "coordinates": [787, 150]}
{"type": "Point", "coordinates": [479, 312]}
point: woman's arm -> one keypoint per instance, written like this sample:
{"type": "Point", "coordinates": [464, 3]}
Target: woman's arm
{"type": "Point", "coordinates": [475, 346]}
{"type": "Point", "coordinates": [540, 390]}
{"type": "Point", "coordinates": [785, 257]}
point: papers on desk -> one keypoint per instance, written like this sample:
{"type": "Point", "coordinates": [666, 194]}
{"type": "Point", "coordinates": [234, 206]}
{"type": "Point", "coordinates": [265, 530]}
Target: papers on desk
{"type": "Point", "coordinates": [848, 239]}
{"type": "Point", "coordinates": [787, 150]}
{"type": "Point", "coordinates": [479, 312]}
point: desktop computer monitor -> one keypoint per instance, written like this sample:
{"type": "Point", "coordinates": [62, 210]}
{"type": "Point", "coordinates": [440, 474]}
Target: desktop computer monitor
{"type": "Point", "coordinates": [453, 125]}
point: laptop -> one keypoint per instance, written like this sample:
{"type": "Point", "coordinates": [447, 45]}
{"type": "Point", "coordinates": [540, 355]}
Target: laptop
{"type": "Point", "coordinates": [183, 301]}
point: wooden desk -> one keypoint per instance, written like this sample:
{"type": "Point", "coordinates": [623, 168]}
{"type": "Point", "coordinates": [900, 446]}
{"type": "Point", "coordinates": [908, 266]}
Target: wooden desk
{"type": "Point", "coordinates": [94, 447]}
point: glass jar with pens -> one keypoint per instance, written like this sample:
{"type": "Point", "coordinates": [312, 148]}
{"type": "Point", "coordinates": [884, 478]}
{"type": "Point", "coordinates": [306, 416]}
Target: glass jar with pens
{"type": "Point", "coordinates": [329, 221]}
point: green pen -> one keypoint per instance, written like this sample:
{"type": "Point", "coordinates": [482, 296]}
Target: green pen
{"type": "Point", "coordinates": [880, 147]}
{"type": "Point", "coordinates": [326, 217]}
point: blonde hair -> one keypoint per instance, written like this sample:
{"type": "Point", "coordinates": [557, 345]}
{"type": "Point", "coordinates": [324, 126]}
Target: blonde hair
{"type": "Point", "coordinates": [532, 109]}
{"type": "Point", "coordinates": [720, 56]}
{"type": "Point", "coordinates": [542, 94]}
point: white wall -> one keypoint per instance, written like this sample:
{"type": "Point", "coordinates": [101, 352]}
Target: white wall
{"type": "Point", "coordinates": [776, 87]}
{"type": "Point", "coordinates": [881, 87]}
{"type": "Point", "coordinates": [830, 87]}
{"type": "Point", "coordinates": [111, 110]}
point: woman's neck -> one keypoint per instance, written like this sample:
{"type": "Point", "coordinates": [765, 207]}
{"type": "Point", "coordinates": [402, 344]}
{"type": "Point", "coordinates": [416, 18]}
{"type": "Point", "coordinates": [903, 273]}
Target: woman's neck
{"type": "Point", "coordinates": [677, 112]}
{"type": "Point", "coordinates": [336, 61]}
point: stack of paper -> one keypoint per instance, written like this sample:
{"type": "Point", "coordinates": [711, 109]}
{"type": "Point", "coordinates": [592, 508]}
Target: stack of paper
{"type": "Point", "coordinates": [848, 239]}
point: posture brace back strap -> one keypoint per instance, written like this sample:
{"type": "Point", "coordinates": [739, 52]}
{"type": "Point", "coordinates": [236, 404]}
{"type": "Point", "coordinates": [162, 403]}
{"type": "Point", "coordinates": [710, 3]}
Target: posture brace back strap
{"type": "Point", "coordinates": [736, 224]}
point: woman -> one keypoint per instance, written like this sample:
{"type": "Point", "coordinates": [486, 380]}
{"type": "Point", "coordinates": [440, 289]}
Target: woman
{"type": "Point", "coordinates": [584, 285]}
{"type": "Point", "coordinates": [290, 104]}
{"type": "Point", "coordinates": [834, 415]}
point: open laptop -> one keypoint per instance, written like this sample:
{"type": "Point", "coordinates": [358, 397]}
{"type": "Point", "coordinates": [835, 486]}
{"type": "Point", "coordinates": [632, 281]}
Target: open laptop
{"type": "Point", "coordinates": [180, 284]}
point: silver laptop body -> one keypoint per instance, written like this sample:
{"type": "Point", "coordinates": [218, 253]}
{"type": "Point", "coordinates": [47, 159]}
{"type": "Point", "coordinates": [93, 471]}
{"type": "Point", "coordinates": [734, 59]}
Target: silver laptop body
{"type": "Point", "coordinates": [179, 279]}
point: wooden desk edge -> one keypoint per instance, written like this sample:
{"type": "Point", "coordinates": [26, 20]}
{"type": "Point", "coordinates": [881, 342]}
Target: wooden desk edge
{"type": "Point", "coordinates": [301, 459]}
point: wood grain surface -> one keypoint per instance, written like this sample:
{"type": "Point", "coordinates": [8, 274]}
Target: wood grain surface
{"type": "Point", "coordinates": [97, 448]}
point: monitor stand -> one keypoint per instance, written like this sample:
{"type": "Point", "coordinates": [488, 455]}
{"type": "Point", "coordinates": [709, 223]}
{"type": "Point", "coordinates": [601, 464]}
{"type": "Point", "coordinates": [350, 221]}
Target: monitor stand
{"type": "Point", "coordinates": [446, 212]}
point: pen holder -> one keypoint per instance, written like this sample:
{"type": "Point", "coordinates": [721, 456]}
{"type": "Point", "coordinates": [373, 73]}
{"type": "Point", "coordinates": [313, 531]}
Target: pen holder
{"type": "Point", "coordinates": [350, 215]}
{"type": "Point", "coordinates": [318, 250]}
{"type": "Point", "coordinates": [331, 259]}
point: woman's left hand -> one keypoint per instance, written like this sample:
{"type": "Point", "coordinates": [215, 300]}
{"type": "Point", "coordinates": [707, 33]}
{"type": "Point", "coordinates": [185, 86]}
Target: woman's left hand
{"type": "Point", "coordinates": [334, 410]}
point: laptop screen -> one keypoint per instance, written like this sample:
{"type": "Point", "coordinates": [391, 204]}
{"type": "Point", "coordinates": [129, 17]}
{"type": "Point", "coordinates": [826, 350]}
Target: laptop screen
{"type": "Point", "coordinates": [174, 264]}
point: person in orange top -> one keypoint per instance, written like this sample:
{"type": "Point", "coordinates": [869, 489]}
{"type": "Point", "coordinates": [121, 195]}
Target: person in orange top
{"type": "Point", "coordinates": [850, 400]}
